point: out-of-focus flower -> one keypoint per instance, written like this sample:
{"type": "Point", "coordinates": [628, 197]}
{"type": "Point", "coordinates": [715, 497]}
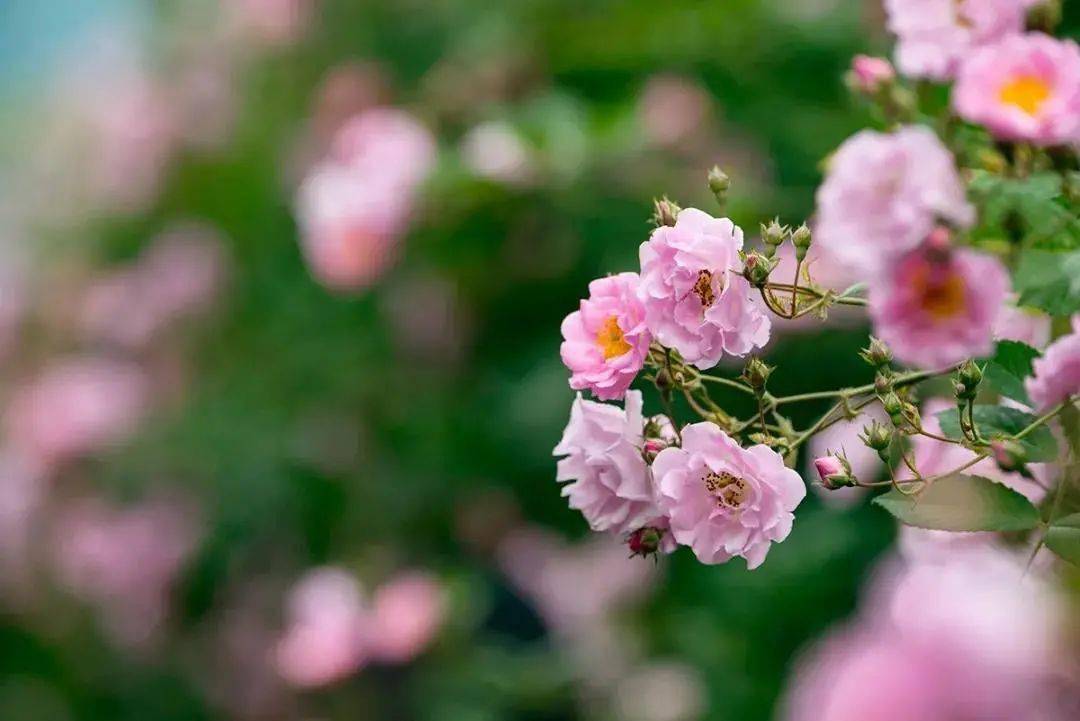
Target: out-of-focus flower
{"type": "Point", "coordinates": [605, 341]}
{"type": "Point", "coordinates": [660, 691]}
{"type": "Point", "coordinates": [76, 406]}
{"type": "Point", "coordinates": [884, 194]}
{"type": "Point", "coordinates": [610, 481]}
{"type": "Point", "coordinates": [869, 74]}
{"type": "Point", "coordinates": [496, 152]}
{"type": "Point", "coordinates": [933, 457]}
{"type": "Point", "coordinates": [696, 301]}
{"type": "Point", "coordinates": [22, 493]}
{"type": "Point", "coordinates": [1026, 325]}
{"type": "Point", "coordinates": [935, 36]}
{"type": "Point", "coordinates": [346, 91]}
{"type": "Point", "coordinates": [672, 109]}
{"type": "Point", "coordinates": [935, 307]}
{"type": "Point", "coordinates": [177, 275]}
{"type": "Point", "coordinates": [124, 560]}
{"type": "Point", "coordinates": [1056, 375]}
{"type": "Point", "coordinates": [407, 611]}
{"type": "Point", "coordinates": [864, 461]}
{"type": "Point", "coordinates": [353, 207]}
{"type": "Point", "coordinates": [326, 626]}
{"type": "Point", "coordinates": [724, 500]}
{"type": "Point", "coordinates": [271, 22]}
{"type": "Point", "coordinates": [1026, 88]}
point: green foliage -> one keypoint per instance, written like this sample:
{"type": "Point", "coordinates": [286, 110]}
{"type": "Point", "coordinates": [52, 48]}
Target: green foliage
{"type": "Point", "coordinates": [1000, 422]}
{"type": "Point", "coordinates": [1063, 538]}
{"type": "Point", "coordinates": [1049, 280]}
{"type": "Point", "coordinates": [1008, 368]}
{"type": "Point", "coordinates": [1033, 210]}
{"type": "Point", "coordinates": [962, 503]}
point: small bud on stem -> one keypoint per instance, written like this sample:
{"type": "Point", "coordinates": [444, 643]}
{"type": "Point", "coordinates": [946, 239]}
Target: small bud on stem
{"type": "Point", "coordinates": [665, 212]}
{"type": "Point", "coordinates": [719, 184]}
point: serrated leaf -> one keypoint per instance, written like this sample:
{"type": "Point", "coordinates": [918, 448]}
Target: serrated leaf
{"type": "Point", "coordinates": [996, 422]}
{"type": "Point", "coordinates": [1006, 371]}
{"type": "Point", "coordinates": [1063, 538]}
{"type": "Point", "coordinates": [1050, 281]}
{"type": "Point", "coordinates": [962, 503]}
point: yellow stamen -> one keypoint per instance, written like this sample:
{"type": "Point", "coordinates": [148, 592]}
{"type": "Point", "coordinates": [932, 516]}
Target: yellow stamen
{"type": "Point", "coordinates": [941, 297]}
{"type": "Point", "coordinates": [730, 490]}
{"type": "Point", "coordinates": [703, 288]}
{"type": "Point", "coordinates": [610, 339]}
{"type": "Point", "coordinates": [1025, 92]}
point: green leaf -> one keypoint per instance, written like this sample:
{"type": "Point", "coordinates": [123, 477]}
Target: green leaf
{"type": "Point", "coordinates": [1063, 538]}
{"type": "Point", "coordinates": [1000, 422]}
{"type": "Point", "coordinates": [962, 503]}
{"type": "Point", "coordinates": [1035, 208]}
{"type": "Point", "coordinates": [1009, 367]}
{"type": "Point", "coordinates": [1049, 280]}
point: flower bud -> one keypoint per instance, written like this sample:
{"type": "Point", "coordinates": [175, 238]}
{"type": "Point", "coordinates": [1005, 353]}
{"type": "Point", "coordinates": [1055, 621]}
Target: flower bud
{"type": "Point", "coordinates": [868, 75]}
{"type": "Point", "coordinates": [663, 380]}
{"type": "Point", "coordinates": [756, 374]}
{"type": "Point", "coordinates": [756, 268]}
{"type": "Point", "coordinates": [772, 235]}
{"type": "Point", "coordinates": [968, 377]}
{"type": "Point", "coordinates": [834, 471]}
{"type": "Point", "coordinates": [877, 437]}
{"type": "Point", "coordinates": [877, 353]}
{"type": "Point", "coordinates": [645, 541]}
{"type": "Point", "coordinates": [801, 239]}
{"type": "Point", "coordinates": [719, 183]}
{"type": "Point", "coordinates": [883, 382]}
{"type": "Point", "coordinates": [892, 404]}
{"type": "Point", "coordinates": [1010, 456]}
{"type": "Point", "coordinates": [665, 212]}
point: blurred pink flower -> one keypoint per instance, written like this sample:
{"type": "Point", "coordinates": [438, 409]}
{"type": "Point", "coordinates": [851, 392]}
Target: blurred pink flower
{"type": "Point", "coordinates": [844, 436]}
{"type": "Point", "coordinates": [605, 342]}
{"type": "Point", "coordinates": [672, 108]}
{"type": "Point", "coordinates": [724, 500]}
{"type": "Point", "coordinates": [353, 207]}
{"type": "Point", "coordinates": [933, 457]}
{"type": "Point", "coordinates": [271, 22]}
{"type": "Point", "coordinates": [696, 301]}
{"type": "Point", "coordinates": [1024, 88]}
{"type": "Point", "coordinates": [935, 36]}
{"type": "Point", "coordinates": [868, 74]}
{"type": "Point", "coordinates": [495, 151]}
{"type": "Point", "coordinates": [178, 275]}
{"type": "Point", "coordinates": [610, 481]}
{"type": "Point", "coordinates": [406, 613]}
{"type": "Point", "coordinates": [1026, 325]}
{"type": "Point", "coordinates": [325, 633]}
{"type": "Point", "coordinates": [661, 691]}
{"type": "Point", "coordinates": [1056, 375]}
{"type": "Point", "coordinates": [884, 193]}
{"type": "Point", "coordinates": [23, 492]}
{"type": "Point", "coordinates": [124, 560]}
{"type": "Point", "coordinates": [76, 406]}
{"type": "Point", "coordinates": [938, 306]}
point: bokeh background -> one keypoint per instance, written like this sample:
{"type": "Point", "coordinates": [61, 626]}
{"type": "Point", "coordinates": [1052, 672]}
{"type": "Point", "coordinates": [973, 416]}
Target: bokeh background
{"type": "Point", "coordinates": [192, 422]}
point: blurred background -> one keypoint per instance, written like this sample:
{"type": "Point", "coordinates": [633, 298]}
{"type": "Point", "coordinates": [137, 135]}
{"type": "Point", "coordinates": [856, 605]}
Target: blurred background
{"type": "Point", "coordinates": [268, 455]}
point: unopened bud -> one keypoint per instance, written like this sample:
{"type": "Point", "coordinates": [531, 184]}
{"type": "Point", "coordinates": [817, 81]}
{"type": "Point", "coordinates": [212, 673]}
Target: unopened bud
{"type": "Point", "coordinates": [663, 380]}
{"type": "Point", "coordinates": [877, 354]}
{"type": "Point", "coordinates": [834, 471]}
{"type": "Point", "coordinates": [883, 382]}
{"type": "Point", "coordinates": [757, 267]}
{"type": "Point", "coordinates": [892, 404]}
{"type": "Point", "coordinates": [877, 437]}
{"type": "Point", "coordinates": [665, 212]}
{"type": "Point", "coordinates": [645, 541]}
{"type": "Point", "coordinates": [801, 239]}
{"type": "Point", "coordinates": [719, 184]}
{"type": "Point", "coordinates": [968, 377]}
{"type": "Point", "coordinates": [868, 75]}
{"type": "Point", "coordinates": [772, 235]}
{"type": "Point", "coordinates": [1010, 456]}
{"type": "Point", "coordinates": [756, 374]}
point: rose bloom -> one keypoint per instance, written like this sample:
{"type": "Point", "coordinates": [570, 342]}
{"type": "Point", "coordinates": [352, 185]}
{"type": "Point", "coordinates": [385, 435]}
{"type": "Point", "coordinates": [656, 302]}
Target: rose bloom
{"type": "Point", "coordinates": [937, 306]}
{"type": "Point", "coordinates": [1024, 88]}
{"type": "Point", "coordinates": [610, 481]}
{"type": "Point", "coordinates": [1057, 373]}
{"type": "Point", "coordinates": [406, 613]}
{"type": "Point", "coordinates": [724, 500]}
{"type": "Point", "coordinates": [326, 625]}
{"type": "Point", "coordinates": [606, 341]}
{"type": "Point", "coordinates": [695, 299]}
{"type": "Point", "coordinates": [935, 36]}
{"type": "Point", "coordinates": [865, 463]}
{"type": "Point", "coordinates": [884, 193]}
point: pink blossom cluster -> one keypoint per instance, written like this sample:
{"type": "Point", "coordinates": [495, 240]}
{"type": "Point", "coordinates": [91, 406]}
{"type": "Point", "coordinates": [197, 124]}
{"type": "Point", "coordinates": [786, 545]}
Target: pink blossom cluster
{"type": "Point", "coordinates": [354, 206]}
{"type": "Point", "coordinates": [332, 630]}
{"type": "Point", "coordinates": [967, 634]}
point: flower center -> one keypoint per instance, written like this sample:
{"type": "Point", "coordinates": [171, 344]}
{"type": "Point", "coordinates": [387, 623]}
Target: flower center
{"type": "Point", "coordinates": [941, 296]}
{"type": "Point", "coordinates": [703, 288]}
{"type": "Point", "coordinates": [729, 490]}
{"type": "Point", "coordinates": [961, 17]}
{"type": "Point", "coordinates": [1025, 92]}
{"type": "Point", "coordinates": [610, 339]}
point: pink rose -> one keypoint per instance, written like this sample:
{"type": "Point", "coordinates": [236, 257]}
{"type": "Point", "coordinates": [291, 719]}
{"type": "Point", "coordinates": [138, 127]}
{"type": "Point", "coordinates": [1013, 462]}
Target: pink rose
{"type": "Point", "coordinates": [1025, 325]}
{"type": "Point", "coordinates": [695, 299]}
{"type": "Point", "coordinates": [884, 194]}
{"type": "Point", "coordinates": [606, 341]}
{"type": "Point", "coordinates": [868, 74]}
{"type": "Point", "coordinates": [934, 36]}
{"type": "Point", "coordinates": [1057, 373]}
{"type": "Point", "coordinates": [935, 307]}
{"type": "Point", "coordinates": [610, 481]}
{"type": "Point", "coordinates": [1027, 88]}
{"type": "Point", "coordinates": [406, 613]}
{"type": "Point", "coordinates": [724, 500]}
